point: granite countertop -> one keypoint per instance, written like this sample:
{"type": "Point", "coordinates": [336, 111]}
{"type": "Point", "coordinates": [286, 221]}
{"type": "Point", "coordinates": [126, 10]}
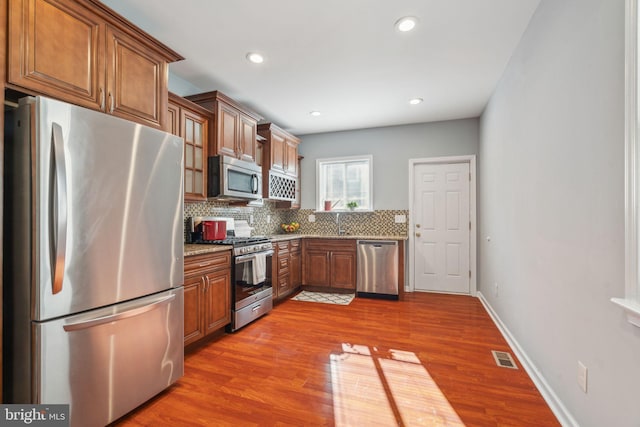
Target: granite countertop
{"type": "Point", "coordinates": [193, 249]}
{"type": "Point", "coordinates": [290, 236]}
{"type": "Point", "coordinates": [196, 249]}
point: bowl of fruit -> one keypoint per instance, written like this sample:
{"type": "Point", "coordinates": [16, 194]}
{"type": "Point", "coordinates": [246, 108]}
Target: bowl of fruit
{"type": "Point", "coordinates": [291, 227]}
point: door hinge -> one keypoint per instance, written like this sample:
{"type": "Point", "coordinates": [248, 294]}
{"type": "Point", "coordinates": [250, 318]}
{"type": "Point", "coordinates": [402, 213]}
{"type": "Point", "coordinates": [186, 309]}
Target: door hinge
{"type": "Point", "coordinates": [469, 274]}
{"type": "Point", "coordinates": [469, 225]}
{"type": "Point", "coordinates": [469, 176]}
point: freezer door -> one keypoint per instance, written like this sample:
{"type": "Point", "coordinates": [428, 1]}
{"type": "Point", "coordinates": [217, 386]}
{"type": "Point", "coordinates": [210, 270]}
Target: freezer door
{"type": "Point", "coordinates": [109, 210]}
{"type": "Point", "coordinates": [106, 362]}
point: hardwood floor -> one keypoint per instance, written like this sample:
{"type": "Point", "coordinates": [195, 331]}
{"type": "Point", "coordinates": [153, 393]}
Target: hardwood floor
{"type": "Point", "coordinates": [422, 361]}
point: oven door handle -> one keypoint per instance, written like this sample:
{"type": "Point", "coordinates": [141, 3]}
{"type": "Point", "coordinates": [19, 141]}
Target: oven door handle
{"type": "Point", "coordinates": [249, 257]}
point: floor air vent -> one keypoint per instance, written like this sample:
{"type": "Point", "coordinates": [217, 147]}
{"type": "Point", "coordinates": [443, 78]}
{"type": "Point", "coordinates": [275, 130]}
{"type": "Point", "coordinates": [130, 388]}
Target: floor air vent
{"type": "Point", "coordinates": [504, 359]}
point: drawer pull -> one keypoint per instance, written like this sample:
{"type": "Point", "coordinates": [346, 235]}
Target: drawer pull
{"type": "Point", "coordinates": [204, 264]}
{"type": "Point", "coordinates": [257, 307]}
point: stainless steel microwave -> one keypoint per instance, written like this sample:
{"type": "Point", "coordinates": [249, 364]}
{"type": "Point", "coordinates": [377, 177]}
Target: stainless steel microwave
{"type": "Point", "coordinates": [233, 179]}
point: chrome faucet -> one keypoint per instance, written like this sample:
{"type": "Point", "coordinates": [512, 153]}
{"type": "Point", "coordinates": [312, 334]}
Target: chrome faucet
{"type": "Point", "coordinates": [340, 230]}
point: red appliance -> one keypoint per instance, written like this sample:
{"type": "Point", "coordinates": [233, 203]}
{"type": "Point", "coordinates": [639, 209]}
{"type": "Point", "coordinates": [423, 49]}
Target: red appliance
{"type": "Point", "coordinates": [214, 230]}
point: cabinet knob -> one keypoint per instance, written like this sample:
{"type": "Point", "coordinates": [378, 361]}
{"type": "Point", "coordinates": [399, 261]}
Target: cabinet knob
{"type": "Point", "coordinates": [417, 225]}
{"type": "Point", "coordinates": [418, 234]}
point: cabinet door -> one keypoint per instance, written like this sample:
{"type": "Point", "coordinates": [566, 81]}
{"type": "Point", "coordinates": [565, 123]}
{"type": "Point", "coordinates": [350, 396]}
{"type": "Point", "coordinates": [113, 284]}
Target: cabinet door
{"type": "Point", "coordinates": [217, 300]}
{"type": "Point", "coordinates": [317, 268]}
{"type": "Point", "coordinates": [291, 158]}
{"type": "Point", "coordinates": [195, 134]}
{"type": "Point", "coordinates": [56, 48]}
{"type": "Point", "coordinates": [277, 152]}
{"type": "Point", "coordinates": [343, 270]}
{"type": "Point", "coordinates": [247, 143]}
{"type": "Point", "coordinates": [283, 286]}
{"type": "Point", "coordinates": [173, 119]}
{"type": "Point", "coordinates": [136, 80]}
{"type": "Point", "coordinates": [227, 127]}
{"type": "Point", "coordinates": [193, 309]}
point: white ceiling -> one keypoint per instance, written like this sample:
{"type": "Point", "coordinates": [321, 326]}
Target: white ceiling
{"type": "Point", "coordinates": [343, 58]}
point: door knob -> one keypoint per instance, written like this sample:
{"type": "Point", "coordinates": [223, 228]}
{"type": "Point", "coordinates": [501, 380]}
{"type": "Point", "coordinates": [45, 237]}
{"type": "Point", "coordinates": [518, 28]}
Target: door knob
{"type": "Point", "coordinates": [417, 234]}
{"type": "Point", "coordinates": [417, 225]}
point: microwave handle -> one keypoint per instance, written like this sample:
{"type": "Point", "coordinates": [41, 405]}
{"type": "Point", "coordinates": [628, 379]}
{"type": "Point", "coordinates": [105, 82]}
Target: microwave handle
{"type": "Point", "coordinates": [254, 183]}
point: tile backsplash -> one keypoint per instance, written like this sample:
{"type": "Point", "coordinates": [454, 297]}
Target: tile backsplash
{"type": "Point", "coordinates": [267, 219]}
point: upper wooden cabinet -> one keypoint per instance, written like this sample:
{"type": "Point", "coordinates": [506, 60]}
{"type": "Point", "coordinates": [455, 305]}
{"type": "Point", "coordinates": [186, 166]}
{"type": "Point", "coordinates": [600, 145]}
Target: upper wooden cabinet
{"type": "Point", "coordinates": [191, 122]}
{"type": "Point", "coordinates": [279, 163]}
{"type": "Point", "coordinates": [234, 126]}
{"type": "Point", "coordinates": [281, 149]}
{"type": "Point", "coordinates": [81, 52]}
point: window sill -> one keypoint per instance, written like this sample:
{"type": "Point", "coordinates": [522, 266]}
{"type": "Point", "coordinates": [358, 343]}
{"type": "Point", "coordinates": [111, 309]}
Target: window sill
{"type": "Point", "coordinates": [631, 307]}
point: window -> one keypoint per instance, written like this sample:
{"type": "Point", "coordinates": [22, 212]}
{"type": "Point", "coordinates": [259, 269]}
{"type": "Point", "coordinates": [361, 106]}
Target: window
{"type": "Point", "coordinates": [343, 181]}
{"type": "Point", "coordinates": [631, 300]}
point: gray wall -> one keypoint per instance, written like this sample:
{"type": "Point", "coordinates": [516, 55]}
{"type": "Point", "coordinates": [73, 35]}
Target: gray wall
{"type": "Point", "coordinates": [391, 147]}
{"type": "Point", "coordinates": [551, 198]}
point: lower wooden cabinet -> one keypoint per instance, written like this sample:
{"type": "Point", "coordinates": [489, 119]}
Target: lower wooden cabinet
{"type": "Point", "coordinates": [287, 265]}
{"type": "Point", "coordinates": [330, 263]}
{"type": "Point", "coordinates": [207, 301]}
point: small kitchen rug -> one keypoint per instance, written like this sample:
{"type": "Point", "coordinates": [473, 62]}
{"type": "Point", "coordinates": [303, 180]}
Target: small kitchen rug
{"type": "Point", "coordinates": [325, 297]}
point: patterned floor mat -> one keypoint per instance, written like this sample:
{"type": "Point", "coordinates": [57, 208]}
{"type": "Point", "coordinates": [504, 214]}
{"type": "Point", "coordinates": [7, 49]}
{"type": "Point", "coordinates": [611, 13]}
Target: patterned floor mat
{"type": "Point", "coordinates": [327, 298]}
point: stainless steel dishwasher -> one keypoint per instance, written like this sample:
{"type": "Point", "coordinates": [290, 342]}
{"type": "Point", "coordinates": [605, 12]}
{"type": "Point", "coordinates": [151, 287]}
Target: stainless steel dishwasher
{"type": "Point", "coordinates": [377, 275]}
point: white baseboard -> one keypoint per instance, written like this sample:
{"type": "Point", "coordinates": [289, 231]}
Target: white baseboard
{"type": "Point", "coordinates": [560, 411]}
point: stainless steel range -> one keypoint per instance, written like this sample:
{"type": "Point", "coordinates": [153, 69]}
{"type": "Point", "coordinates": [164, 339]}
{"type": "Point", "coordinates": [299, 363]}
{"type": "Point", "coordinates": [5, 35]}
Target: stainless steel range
{"type": "Point", "coordinates": [251, 291]}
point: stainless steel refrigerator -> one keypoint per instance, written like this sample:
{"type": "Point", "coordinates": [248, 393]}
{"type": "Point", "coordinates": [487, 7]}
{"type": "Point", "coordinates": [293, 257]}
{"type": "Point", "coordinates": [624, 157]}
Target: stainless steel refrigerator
{"type": "Point", "coordinates": [93, 260]}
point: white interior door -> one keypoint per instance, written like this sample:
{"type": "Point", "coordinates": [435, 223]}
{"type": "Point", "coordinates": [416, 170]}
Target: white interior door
{"type": "Point", "coordinates": [441, 227]}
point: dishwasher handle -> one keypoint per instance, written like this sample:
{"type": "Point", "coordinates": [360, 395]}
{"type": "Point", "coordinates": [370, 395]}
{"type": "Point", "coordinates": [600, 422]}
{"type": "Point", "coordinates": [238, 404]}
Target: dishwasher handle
{"type": "Point", "coordinates": [378, 243]}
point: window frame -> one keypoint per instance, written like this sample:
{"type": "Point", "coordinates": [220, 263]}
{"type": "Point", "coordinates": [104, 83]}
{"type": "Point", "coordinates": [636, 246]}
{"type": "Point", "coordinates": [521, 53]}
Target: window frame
{"type": "Point", "coordinates": [631, 301]}
{"type": "Point", "coordinates": [319, 200]}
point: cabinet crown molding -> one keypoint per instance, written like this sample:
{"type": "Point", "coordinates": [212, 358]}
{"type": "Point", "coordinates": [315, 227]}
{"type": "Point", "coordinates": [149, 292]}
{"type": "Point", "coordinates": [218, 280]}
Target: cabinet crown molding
{"type": "Point", "coordinates": [216, 95]}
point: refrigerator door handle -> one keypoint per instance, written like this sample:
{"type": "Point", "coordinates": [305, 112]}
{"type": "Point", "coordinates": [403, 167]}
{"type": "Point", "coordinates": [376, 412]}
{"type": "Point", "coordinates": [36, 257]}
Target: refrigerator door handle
{"type": "Point", "coordinates": [85, 324]}
{"type": "Point", "coordinates": [58, 208]}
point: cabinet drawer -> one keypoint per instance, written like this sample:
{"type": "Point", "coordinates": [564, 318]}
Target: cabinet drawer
{"type": "Point", "coordinates": [294, 244]}
{"type": "Point", "coordinates": [283, 263]}
{"type": "Point", "coordinates": [330, 244]}
{"type": "Point", "coordinates": [282, 246]}
{"type": "Point", "coordinates": [283, 284]}
{"type": "Point", "coordinates": [196, 264]}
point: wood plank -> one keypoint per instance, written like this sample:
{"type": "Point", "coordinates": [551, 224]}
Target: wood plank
{"type": "Point", "coordinates": [424, 360]}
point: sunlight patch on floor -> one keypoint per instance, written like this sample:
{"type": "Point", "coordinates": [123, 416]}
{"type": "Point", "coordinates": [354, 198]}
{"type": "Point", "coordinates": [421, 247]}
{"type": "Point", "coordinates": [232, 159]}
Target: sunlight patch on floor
{"type": "Point", "coordinates": [386, 388]}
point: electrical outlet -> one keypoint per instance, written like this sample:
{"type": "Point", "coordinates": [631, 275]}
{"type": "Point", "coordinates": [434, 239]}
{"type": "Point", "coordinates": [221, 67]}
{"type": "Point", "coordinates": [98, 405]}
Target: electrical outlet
{"type": "Point", "coordinates": [312, 218]}
{"type": "Point", "coordinates": [401, 219]}
{"type": "Point", "coordinates": [268, 219]}
{"type": "Point", "coordinates": [251, 219]}
{"type": "Point", "coordinates": [582, 376]}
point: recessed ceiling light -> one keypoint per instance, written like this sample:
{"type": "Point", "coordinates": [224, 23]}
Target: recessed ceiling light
{"type": "Point", "coordinates": [315, 113]}
{"type": "Point", "coordinates": [256, 58]}
{"type": "Point", "coordinates": [407, 23]}
{"type": "Point", "coordinates": [415, 101]}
